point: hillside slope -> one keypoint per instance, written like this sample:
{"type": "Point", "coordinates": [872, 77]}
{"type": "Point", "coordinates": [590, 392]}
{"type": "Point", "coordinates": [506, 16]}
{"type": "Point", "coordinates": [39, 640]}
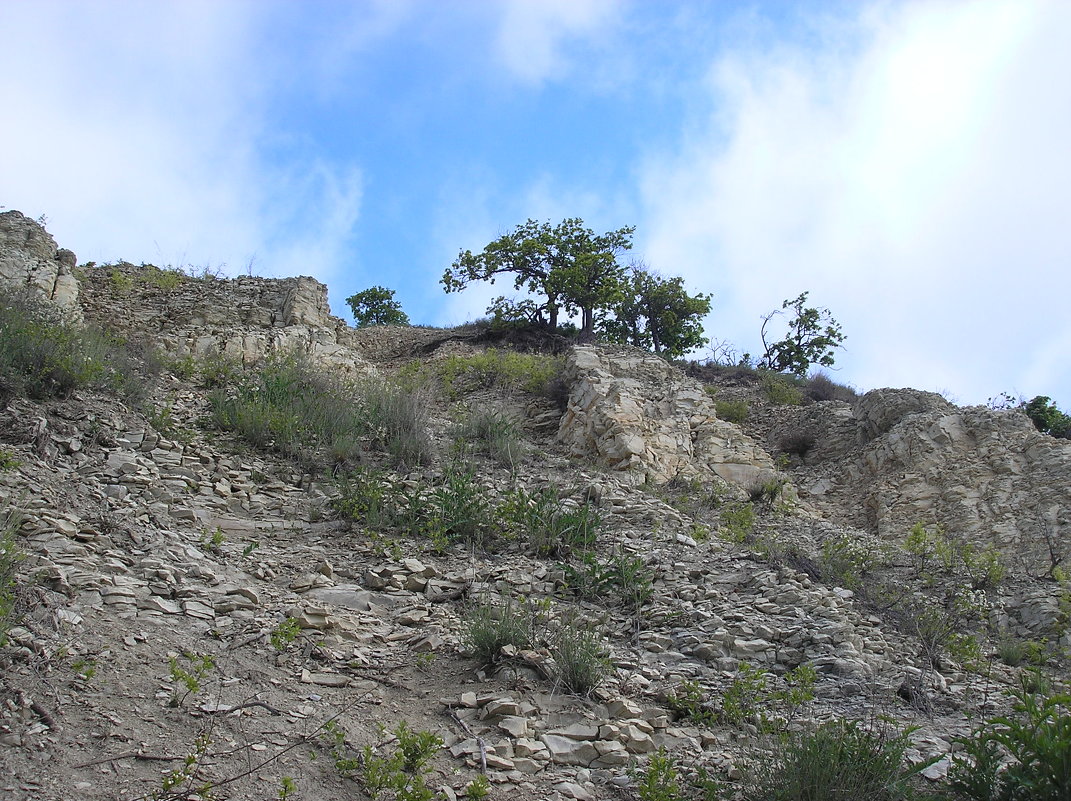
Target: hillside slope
{"type": "Point", "coordinates": [188, 599]}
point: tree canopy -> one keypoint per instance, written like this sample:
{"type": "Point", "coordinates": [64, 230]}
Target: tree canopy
{"type": "Point", "coordinates": [567, 267]}
{"type": "Point", "coordinates": [811, 337]}
{"type": "Point", "coordinates": [376, 306]}
{"type": "Point", "coordinates": [1047, 417]}
{"type": "Point", "coordinates": [657, 314]}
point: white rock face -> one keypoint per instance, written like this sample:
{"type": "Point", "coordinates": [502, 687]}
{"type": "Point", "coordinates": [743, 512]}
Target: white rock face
{"type": "Point", "coordinates": [905, 456]}
{"type": "Point", "coordinates": [635, 413]}
{"type": "Point", "coordinates": [244, 318]}
{"type": "Point", "coordinates": [30, 258]}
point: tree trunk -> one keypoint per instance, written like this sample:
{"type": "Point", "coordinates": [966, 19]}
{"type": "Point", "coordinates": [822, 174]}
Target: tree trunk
{"type": "Point", "coordinates": [587, 328]}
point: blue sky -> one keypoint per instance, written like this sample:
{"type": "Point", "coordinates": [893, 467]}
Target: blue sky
{"type": "Point", "coordinates": [906, 162]}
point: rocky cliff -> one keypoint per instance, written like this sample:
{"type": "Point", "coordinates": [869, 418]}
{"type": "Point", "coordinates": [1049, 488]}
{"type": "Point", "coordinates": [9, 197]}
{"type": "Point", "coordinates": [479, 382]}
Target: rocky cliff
{"type": "Point", "coordinates": [899, 457]}
{"type": "Point", "coordinates": [30, 258]}
{"type": "Point", "coordinates": [244, 318]}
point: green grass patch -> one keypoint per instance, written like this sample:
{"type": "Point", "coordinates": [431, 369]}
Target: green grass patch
{"type": "Point", "coordinates": [732, 411]}
{"type": "Point", "coordinates": [43, 355]}
{"type": "Point", "coordinates": [497, 369]}
{"type": "Point", "coordinates": [288, 406]}
{"type": "Point", "coordinates": [10, 557]}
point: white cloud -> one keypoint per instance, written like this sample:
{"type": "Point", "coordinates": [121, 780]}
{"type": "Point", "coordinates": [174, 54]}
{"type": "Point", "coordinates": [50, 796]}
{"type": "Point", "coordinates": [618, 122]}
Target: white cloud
{"type": "Point", "coordinates": [535, 35]}
{"type": "Point", "coordinates": [914, 180]}
{"type": "Point", "coordinates": [138, 130]}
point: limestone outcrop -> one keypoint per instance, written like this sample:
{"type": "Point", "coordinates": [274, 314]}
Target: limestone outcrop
{"type": "Point", "coordinates": [903, 456]}
{"type": "Point", "coordinates": [637, 413]}
{"type": "Point", "coordinates": [245, 318]}
{"type": "Point", "coordinates": [30, 258]}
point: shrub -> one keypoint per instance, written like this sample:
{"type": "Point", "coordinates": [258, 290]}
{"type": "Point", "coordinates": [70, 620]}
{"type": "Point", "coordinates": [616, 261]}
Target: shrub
{"type": "Point", "coordinates": [1047, 417]}
{"type": "Point", "coordinates": [489, 627]}
{"type": "Point", "coordinates": [846, 561]}
{"type": "Point", "coordinates": [1026, 755]}
{"type": "Point", "coordinates": [935, 549]}
{"type": "Point", "coordinates": [737, 522]}
{"type": "Point", "coordinates": [658, 782]}
{"type": "Point", "coordinates": [766, 491]}
{"type": "Point", "coordinates": [797, 443]}
{"type": "Point", "coordinates": [838, 760]}
{"type": "Point", "coordinates": [820, 387]}
{"type": "Point", "coordinates": [661, 780]}
{"type": "Point", "coordinates": [402, 771]}
{"type": "Point", "coordinates": [779, 391]}
{"type": "Point", "coordinates": [732, 411]}
{"type": "Point", "coordinates": [752, 696]}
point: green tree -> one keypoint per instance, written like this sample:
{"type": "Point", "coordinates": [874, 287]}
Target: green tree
{"type": "Point", "coordinates": [657, 314]}
{"type": "Point", "coordinates": [568, 267]}
{"type": "Point", "coordinates": [376, 306]}
{"type": "Point", "coordinates": [810, 339]}
{"type": "Point", "coordinates": [1047, 417]}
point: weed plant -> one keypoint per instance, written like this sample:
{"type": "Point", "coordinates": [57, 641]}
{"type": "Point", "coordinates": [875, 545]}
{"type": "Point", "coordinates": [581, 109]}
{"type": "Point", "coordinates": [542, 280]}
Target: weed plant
{"type": "Point", "coordinates": [457, 509]}
{"type": "Point", "coordinates": [368, 497]}
{"type": "Point", "coordinates": [551, 528]}
{"type": "Point", "coordinates": [284, 633]}
{"type": "Point", "coordinates": [478, 789]}
{"type": "Point", "coordinates": [396, 420]}
{"type": "Point", "coordinates": [288, 406]}
{"type": "Point", "coordinates": [621, 578]}
{"type": "Point", "coordinates": [490, 627]}
{"type": "Point", "coordinates": [580, 659]}
{"type": "Point", "coordinates": [1025, 755]}
{"type": "Point", "coordinates": [8, 460]}
{"type": "Point", "coordinates": [494, 433]}
{"type": "Point", "coordinates": [837, 761]}
{"type": "Point", "coordinates": [689, 702]}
